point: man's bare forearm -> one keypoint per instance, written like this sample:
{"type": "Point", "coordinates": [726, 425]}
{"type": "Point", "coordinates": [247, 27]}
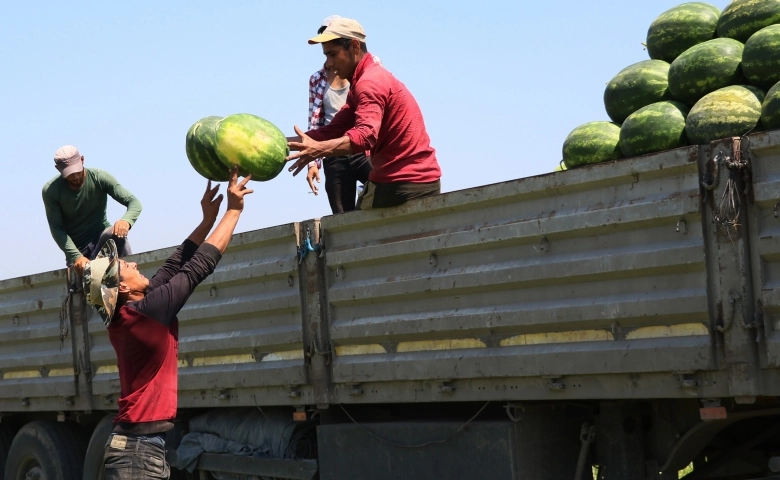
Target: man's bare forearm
{"type": "Point", "coordinates": [336, 147]}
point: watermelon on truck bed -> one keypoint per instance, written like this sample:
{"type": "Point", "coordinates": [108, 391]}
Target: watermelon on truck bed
{"type": "Point", "coordinates": [636, 86]}
{"type": "Point", "coordinates": [761, 58]}
{"type": "Point", "coordinates": [656, 127]}
{"type": "Point", "coordinates": [729, 112]}
{"type": "Point", "coordinates": [770, 109]}
{"type": "Point", "coordinates": [680, 28]}
{"type": "Point", "coordinates": [742, 18]}
{"type": "Point", "coordinates": [705, 68]}
{"type": "Point", "coordinates": [593, 142]}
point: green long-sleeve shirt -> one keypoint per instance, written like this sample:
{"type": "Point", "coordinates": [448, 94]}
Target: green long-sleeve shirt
{"type": "Point", "coordinates": [77, 217]}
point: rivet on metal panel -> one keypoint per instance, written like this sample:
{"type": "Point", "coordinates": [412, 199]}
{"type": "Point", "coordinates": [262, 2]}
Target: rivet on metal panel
{"type": "Point", "coordinates": [295, 393]}
{"type": "Point", "coordinates": [355, 389]}
{"type": "Point", "coordinates": [25, 402]}
{"type": "Point", "coordinates": [224, 395]}
{"type": "Point", "coordinates": [340, 272]}
{"type": "Point", "coordinates": [213, 292]}
{"type": "Point", "coordinates": [290, 281]}
{"type": "Point", "coordinates": [446, 387]}
{"type": "Point", "coordinates": [544, 245]}
{"type": "Point", "coordinates": [433, 260]}
{"type": "Point", "coordinates": [682, 226]}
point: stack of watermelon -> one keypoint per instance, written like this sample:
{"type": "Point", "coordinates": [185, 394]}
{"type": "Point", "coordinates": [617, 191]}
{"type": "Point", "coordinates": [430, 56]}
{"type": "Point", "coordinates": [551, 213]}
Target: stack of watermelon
{"type": "Point", "coordinates": [256, 146]}
{"type": "Point", "coordinates": [707, 78]}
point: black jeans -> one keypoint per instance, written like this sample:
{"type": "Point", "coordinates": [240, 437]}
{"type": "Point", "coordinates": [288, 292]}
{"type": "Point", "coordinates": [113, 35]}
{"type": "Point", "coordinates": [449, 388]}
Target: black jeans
{"type": "Point", "coordinates": [341, 177]}
{"type": "Point", "coordinates": [386, 195]}
{"type": "Point", "coordinates": [129, 457]}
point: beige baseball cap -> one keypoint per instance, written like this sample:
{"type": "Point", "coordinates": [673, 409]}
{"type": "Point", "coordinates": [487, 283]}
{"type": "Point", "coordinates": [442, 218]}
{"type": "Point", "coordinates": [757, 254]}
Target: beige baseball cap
{"type": "Point", "coordinates": [340, 28]}
{"type": "Point", "coordinates": [67, 159]}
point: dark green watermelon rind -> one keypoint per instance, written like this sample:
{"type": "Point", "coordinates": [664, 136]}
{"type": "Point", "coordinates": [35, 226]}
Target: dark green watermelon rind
{"type": "Point", "coordinates": [199, 146]}
{"type": "Point", "coordinates": [264, 159]}
{"type": "Point", "coordinates": [742, 18]}
{"type": "Point", "coordinates": [680, 28]}
{"type": "Point", "coordinates": [593, 142]}
{"type": "Point", "coordinates": [770, 109]}
{"type": "Point", "coordinates": [761, 58]}
{"type": "Point", "coordinates": [654, 128]}
{"type": "Point", "coordinates": [729, 112]}
{"type": "Point", "coordinates": [704, 68]}
{"type": "Point", "coordinates": [636, 86]}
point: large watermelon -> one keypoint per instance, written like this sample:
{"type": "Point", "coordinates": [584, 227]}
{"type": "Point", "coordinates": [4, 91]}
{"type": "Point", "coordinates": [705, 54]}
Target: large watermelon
{"type": "Point", "coordinates": [743, 18]}
{"type": "Point", "coordinates": [256, 145]}
{"type": "Point", "coordinates": [770, 110]}
{"type": "Point", "coordinates": [761, 58]}
{"type": "Point", "coordinates": [636, 86]}
{"type": "Point", "coordinates": [705, 68]}
{"type": "Point", "coordinates": [592, 142]}
{"type": "Point", "coordinates": [656, 127]}
{"type": "Point", "coordinates": [680, 28]}
{"type": "Point", "coordinates": [728, 112]}
{"type": "Point", "coordinates": [199, 146]}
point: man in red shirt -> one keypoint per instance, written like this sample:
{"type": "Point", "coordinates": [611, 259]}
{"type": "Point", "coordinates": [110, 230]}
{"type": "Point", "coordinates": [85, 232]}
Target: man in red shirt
{"type": "Point", "coordinates": [381, 115]}
{"type": "Point", "coordinates": [143, 329]}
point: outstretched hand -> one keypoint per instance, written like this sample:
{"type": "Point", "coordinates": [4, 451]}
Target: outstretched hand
{"type": "Point", "coordinates": [237, 190]}
{"type": "Point", "coordinates": [307, 149]}
{"type": "Point", "coordinates": [210, 203]}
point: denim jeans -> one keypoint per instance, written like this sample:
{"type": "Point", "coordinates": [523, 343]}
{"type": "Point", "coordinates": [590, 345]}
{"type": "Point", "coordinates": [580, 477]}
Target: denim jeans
{"type": "Point", "coordinates": [130, 457]}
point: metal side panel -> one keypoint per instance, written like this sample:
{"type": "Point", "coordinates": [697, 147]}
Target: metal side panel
{"type": "Point", "coordinates": [593, 271]}
{"type": "Point", "coordinates": [765, 242]}
{"type": "Point", "coordinates": [36, 362]}
{"type": "Point", "coordinates": [240, 333]}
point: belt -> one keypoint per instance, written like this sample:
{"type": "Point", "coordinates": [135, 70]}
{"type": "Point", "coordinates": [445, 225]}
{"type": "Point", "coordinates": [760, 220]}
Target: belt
{"type": "Point", "coordinates": [154, 438]}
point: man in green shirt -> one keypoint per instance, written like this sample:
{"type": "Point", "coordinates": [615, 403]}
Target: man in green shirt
{"type": "Point", "coordinates": [75, 202]}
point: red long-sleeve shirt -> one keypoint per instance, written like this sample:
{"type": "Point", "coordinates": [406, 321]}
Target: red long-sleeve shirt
{"type": "Point", "coordinates": [382, 116]}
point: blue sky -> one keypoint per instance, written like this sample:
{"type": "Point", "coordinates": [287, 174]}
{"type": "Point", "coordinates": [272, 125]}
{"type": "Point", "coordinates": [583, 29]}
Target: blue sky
{"type": "Point", "coordinates": [500, 85]}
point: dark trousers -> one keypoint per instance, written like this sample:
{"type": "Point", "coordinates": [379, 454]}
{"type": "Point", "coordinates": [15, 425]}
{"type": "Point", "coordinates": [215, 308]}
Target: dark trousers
{"type": "Point", "coordinates": [129, 457]}
{"type": "Point", "coordinates": [386, 195]}
{"type": "Point", "coordinates": [341, 177]}
{"type": "Point", "coordinates": [122, 245]}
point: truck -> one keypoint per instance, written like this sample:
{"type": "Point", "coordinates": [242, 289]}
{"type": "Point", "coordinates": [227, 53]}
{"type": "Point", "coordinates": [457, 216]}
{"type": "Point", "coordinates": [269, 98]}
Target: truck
{"type": "Point", "coordinates": [616, 321]}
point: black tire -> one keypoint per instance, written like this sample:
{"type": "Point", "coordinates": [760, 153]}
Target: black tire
{"type": "Point", "coordinates": [6, 438]}
{"type": "Point", "coordinates": [94, 469]}
{"type": "Point", "coordinates": [47, 450]}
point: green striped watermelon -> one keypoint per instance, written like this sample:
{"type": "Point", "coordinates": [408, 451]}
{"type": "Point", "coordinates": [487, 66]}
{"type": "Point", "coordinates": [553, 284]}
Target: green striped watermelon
{"type": "Point", "coordinates": [199, 146]}
{"type": "Point", "coordinates": [636, 86]}
{"type": "Point", "coordinates": [770, 110]}
{"type": "Point", "coordinates": [256, 145]}
{"type": "Point", "coordinates": [729, 112]}
{"type": "Point", "coordinates": [705, 68]}
{"type": "Point", "coordinates": [743, 18]}
{"type": "Point", "coordinates": [680, 28]}
{"type": "Point", "coordinates": [592, 142]}
{"type": "Point", "coordinates": [656, 127]}
{"type": "Point", "coordinates": [761, 58]}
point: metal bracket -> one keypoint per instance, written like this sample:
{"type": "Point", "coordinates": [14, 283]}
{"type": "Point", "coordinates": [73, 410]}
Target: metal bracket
{"type": "Point", "coordinates": [224, 395]}
{"type": "Point", "coordinates": [556, 382]}
{"type": "Point", "coordinates": [511, 411]}
{"type": "Point", "coordinates": [682, 226]}
{"type": "Point", "coordinates": [355, 389]}
{"type": "Point", "coordinates": [433, 260]}
{"type": "Point", "coordinates": [544, 245]}
{"type": "Point", "coordinates": [295, 393]}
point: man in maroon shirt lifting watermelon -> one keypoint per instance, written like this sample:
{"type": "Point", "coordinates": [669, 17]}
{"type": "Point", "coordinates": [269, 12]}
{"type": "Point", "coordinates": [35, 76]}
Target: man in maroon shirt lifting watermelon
{"type": "Point", "coordinates": [142, 326]}
{"type": "Point", "coordinates": [381, 115]}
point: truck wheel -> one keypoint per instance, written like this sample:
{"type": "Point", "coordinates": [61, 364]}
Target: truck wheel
{"type": "Point", "coordinates": [46, 451]}
{"type": "Point", "coordinates": [94, 469]}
